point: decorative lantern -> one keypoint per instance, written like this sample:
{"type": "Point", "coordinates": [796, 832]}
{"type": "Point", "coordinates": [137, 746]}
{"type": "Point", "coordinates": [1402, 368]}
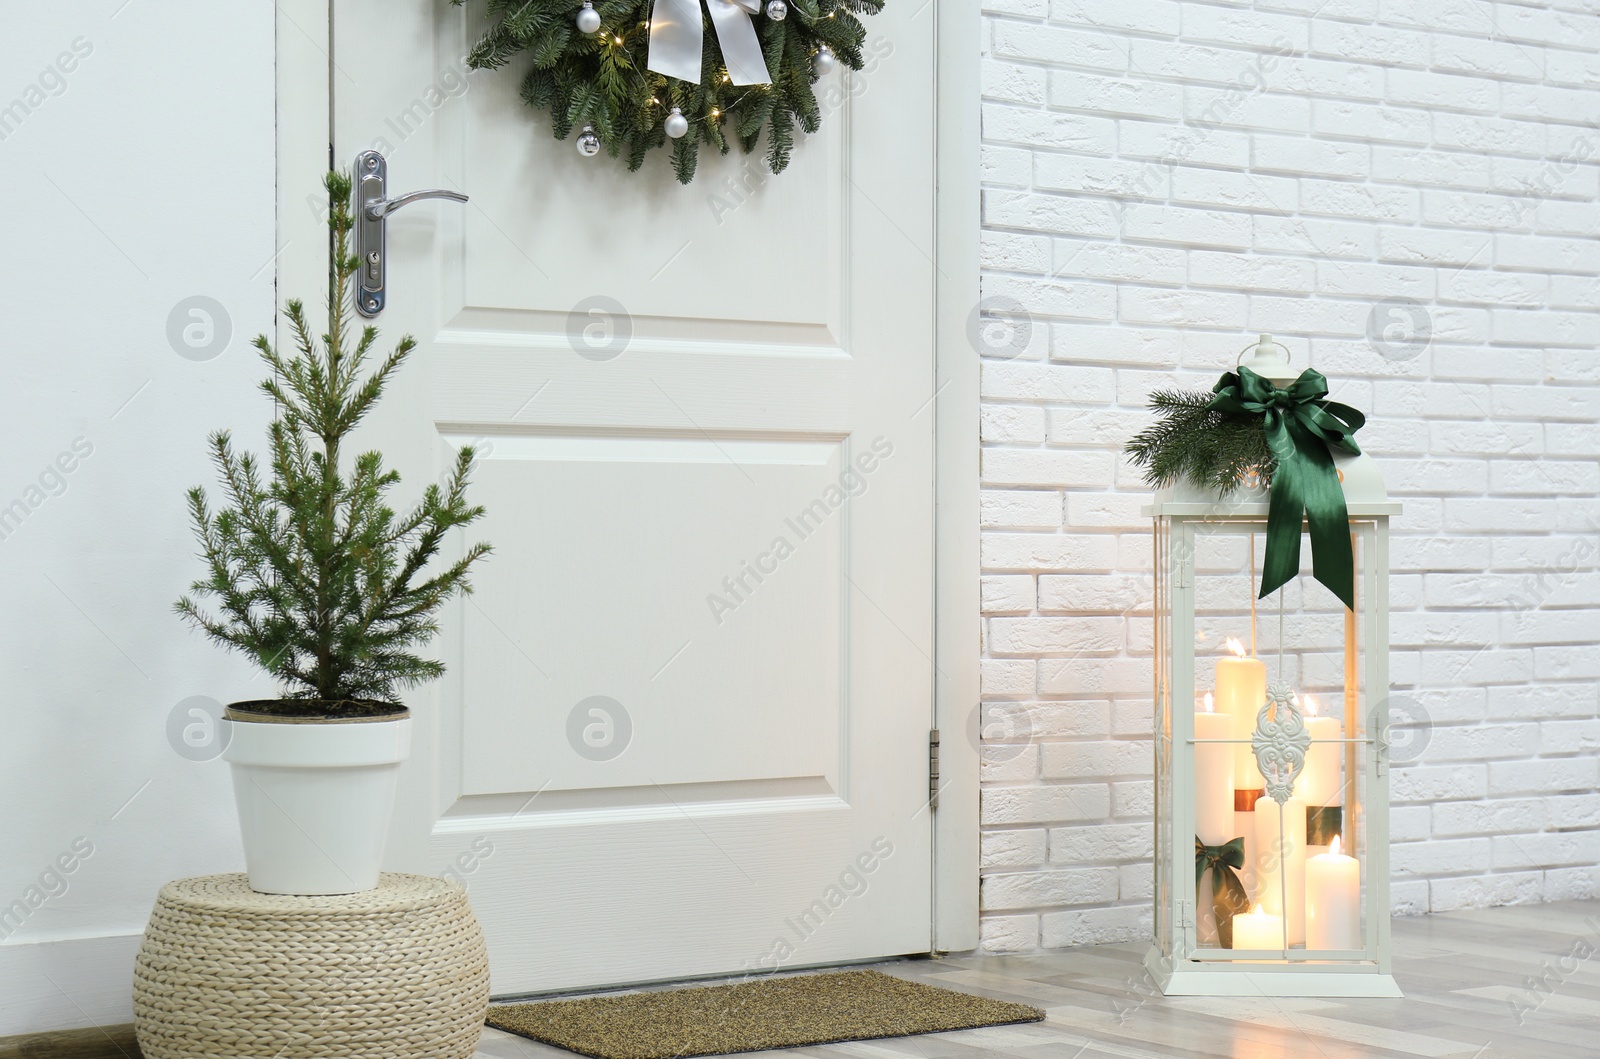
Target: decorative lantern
{"type": "Point", "coordinates": [1271, 732]}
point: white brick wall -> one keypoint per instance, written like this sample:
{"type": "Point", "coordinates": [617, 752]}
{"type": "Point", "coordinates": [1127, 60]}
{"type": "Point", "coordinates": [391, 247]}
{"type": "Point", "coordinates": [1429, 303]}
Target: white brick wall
{"type": "Point", "coordinates": [1163, 179]}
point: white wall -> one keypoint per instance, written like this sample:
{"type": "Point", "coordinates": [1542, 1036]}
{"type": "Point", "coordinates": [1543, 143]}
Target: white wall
{"type": "Point", "coordinates": [134, 174]}
{"type": "Point", "coordinates": [1163, 179]}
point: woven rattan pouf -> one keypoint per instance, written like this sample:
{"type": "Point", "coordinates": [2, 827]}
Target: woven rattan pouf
{"type": "Point", "coordinates": [392, 973]}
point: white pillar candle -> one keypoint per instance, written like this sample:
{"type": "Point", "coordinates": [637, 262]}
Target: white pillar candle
{"type": "Point", "coordinates": [1213, 776]}
{"type": "Point", "coordinates": [1244, 824]}
{"type": "Point", "coordinates": [1257, 930]}
{"type": "Point", "coordinates": [1213, 798]}
{"type": "Point", "coordinates": [1281, 863]}
{"type": "Point", "coordinates": [1241, 692]}
{"type": "Point", "coordinates": [1321, 782]}
{"type": "Point", "coordinates": [1333, 901]}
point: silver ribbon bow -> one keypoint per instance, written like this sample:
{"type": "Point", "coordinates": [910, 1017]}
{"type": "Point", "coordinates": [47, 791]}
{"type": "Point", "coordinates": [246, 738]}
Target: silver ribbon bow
{"type": "Point", "coordinates": [676, 33]}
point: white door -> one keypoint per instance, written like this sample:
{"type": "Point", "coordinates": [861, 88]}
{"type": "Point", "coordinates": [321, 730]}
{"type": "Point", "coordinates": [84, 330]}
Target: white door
{"type": "Point", "coordinates": [685, 727]}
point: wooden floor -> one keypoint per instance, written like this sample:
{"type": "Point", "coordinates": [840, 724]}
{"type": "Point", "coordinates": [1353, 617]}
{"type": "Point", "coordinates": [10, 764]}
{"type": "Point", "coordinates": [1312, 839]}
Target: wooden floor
{"type": "Point", "coordinates": [1462, 973]}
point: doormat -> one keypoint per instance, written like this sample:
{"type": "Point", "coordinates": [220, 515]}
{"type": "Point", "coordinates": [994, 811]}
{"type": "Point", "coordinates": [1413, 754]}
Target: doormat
{"type": "Point", "coordinates": [786, 1012]}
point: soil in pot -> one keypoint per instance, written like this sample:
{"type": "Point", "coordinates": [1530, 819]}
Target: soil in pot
{"type": "Point", "coordinates": [333, 711]}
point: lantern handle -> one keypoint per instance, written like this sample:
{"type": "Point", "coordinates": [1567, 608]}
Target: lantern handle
{"type": "Point", "coordinates": [1261, 346]}
{"type": "Point", "coordinates": [1270, 360]}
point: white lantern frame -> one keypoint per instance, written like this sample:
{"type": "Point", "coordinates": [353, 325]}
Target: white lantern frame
{"type": "Point", "coordinates": [1177, 960]}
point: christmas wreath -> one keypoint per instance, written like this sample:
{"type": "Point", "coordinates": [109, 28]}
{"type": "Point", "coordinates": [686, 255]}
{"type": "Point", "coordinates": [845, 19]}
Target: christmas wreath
{"type": "Point", "coordinates": [632, 75]}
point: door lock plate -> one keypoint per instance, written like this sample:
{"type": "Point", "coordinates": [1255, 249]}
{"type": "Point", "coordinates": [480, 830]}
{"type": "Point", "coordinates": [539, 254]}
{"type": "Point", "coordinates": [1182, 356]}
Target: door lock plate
{"type": "Point", "coordinates": [372, 184]}
{"type": "Point", "coordinates": [373, 207]}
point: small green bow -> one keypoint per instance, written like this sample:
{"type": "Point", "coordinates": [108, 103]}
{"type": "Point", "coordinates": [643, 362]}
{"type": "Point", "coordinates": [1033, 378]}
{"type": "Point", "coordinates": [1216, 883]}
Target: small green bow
{"type": "Point", "coordinates": [1300, 427]}
{"type": "Point", "coordinates": [1228, 897]}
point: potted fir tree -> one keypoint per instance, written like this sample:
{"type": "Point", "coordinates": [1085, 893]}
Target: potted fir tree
{"type": "Point", "coordinates": [327, 589]}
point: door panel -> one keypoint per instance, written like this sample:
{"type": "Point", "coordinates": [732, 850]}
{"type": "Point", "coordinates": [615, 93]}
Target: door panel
{"type": "Point", "coordinates": [684, 729]}
{"type": "Point", "coordinates": [725, 691]}
{"type": "Point", "coordinates": [750, 261]}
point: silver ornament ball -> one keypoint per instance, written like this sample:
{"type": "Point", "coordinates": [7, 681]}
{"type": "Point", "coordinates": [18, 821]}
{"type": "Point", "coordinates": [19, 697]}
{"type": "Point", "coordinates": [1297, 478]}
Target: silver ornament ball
{"type": "Point", "coordinates": [676, 124]}
{"type": "Point", "coordinates": [825, 61]}
{"type": "Point", "coordinates": [588, 19]}
{"type": "Point", "coordinates": [588, 142]}
{"type": "Point", "coordinates": [777, 10]}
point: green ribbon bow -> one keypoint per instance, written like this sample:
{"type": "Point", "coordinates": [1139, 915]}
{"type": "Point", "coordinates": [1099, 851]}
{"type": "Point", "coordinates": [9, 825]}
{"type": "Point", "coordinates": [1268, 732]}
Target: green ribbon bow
{"type": "Point", "coordinates": [1300, 427]}
{"type": "Point", "coordinates": [1228, 897]}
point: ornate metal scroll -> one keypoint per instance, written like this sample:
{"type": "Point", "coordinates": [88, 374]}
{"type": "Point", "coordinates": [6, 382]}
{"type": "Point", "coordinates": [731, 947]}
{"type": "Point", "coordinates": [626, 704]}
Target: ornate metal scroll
{"type": "Point", "coordinates": [1280, 741]}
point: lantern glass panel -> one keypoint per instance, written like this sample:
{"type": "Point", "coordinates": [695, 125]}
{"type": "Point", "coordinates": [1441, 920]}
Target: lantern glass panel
{"type": "Point", "coordinates": [1165, 853]}
{"type": "Point", "coordinates": [1301, 642]}
{"type": "Point", "coordinates": [1356, 840]}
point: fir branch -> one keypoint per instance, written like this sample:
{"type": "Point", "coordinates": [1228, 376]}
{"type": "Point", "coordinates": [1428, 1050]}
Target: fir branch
{"type": "Point", "coordinates": [1193, 442]}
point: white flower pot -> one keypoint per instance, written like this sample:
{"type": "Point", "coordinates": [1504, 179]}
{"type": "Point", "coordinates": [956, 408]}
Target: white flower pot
{"type": "Point", "coordinates": [314, 798]}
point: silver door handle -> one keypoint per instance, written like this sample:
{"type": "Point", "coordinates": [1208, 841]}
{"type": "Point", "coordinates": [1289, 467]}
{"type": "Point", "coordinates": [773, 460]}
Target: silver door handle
{"type": "Point", "coordinates": [377, 211]}
{"type": "Point", "coordinates": [373, 206]}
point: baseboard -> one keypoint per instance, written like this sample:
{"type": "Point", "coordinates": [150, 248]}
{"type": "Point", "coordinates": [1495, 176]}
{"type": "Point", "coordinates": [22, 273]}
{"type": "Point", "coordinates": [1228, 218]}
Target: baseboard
{"type": "Point", "coordinates": [107, 1042]}
{"type": "Point", "coordinates": [69, 984]}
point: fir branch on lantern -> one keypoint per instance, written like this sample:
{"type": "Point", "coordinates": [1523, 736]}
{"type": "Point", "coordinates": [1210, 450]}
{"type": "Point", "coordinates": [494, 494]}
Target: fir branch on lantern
{"type": "Point", "coordinates": [1203, 445]}
{"type": "Point", "coordinates": [601, 80]}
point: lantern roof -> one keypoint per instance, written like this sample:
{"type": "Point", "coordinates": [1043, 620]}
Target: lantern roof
{"type": "Point", "coordinates": [1364, 494]}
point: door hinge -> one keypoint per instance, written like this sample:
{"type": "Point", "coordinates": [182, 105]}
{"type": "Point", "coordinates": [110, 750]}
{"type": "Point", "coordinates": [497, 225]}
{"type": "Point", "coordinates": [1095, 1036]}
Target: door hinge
{"type": "Point", "coordinates": [933, 769]}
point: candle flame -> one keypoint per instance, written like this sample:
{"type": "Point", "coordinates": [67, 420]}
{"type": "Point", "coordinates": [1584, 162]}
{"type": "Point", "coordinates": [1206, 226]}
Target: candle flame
{"type": "Point", "coordinates": [1235, 646]}
{"type": "Point", "coordinates": [1256, 911]}
{"type": "Point", "coordinates": [1311, 706]}
{"type": "Point", "coordinates": [1333, 847]}
{"type": "Point", "coordinates": [1210, 703]}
